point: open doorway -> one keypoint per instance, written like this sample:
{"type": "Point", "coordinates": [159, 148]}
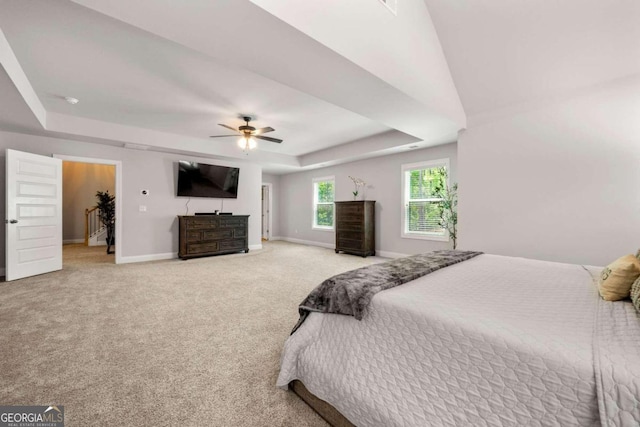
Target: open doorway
{"type": "Point", "coordinates": [34, 193]}
{"type": "Point", "coordinates": [266, 211]}
{"type": "Point", "coordinates": [84, 234]}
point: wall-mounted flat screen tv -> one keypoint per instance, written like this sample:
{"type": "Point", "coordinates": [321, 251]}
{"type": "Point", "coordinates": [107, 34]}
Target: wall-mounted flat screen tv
{"type": "Point", "coordinates": [202, 180]}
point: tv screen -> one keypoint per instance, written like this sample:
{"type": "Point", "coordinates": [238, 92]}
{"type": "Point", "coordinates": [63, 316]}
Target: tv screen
{"type": "Point", "coordinates": [202, 180]}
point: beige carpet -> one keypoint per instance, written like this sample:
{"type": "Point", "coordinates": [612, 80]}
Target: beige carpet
{"type": "Point", "coordinates": [164, 343]}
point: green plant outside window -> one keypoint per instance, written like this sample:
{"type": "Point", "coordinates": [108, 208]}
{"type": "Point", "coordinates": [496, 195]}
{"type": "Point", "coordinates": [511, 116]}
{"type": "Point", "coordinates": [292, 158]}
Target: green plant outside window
{"type": "Point", "coordinates": [324, 196]}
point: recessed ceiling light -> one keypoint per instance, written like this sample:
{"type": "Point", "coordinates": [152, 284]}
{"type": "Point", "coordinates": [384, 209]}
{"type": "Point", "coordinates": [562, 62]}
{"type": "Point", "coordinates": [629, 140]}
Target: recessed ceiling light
{"type": "Point", "coordinates": [71, 100]}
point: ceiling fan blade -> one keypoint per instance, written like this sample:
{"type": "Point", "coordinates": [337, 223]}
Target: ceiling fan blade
{"type": "Point", "coordinates": [266, 138]}
{"type": "Point", "coordinates": [263, 130]}
{"type": "Point", "coordinates": [228, 127]}
{"type": "Point", "coordinates": [221, 136]}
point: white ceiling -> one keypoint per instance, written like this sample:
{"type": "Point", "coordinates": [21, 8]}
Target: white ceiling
{"type": "Point", "coordinates": [159, 73]}
{"type": "Point", "coordinates": [127, 76]}
{"type": "Point", "coordinates": [157, 89]}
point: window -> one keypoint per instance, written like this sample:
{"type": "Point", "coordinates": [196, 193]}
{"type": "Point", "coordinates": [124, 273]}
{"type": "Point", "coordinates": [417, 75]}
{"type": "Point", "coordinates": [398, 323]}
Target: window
{"type": "Point", "coordinates": [323, 197]}
{"type": "Point", "coordinates": [422, 204]}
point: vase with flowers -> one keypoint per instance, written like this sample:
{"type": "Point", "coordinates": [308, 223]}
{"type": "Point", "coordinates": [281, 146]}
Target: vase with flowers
{"type": "Point", "coordinates": [357, 182]}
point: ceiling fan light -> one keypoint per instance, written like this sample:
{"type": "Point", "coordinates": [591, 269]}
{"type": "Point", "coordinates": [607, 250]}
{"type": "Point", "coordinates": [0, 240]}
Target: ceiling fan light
{"type": "Point", "coordinates": [247, 143]}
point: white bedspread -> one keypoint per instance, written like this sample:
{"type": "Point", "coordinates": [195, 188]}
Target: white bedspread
{"type": "Point", "coordinates": [617, 363]}
{"type": "Point", "coordinates": [493, 341]}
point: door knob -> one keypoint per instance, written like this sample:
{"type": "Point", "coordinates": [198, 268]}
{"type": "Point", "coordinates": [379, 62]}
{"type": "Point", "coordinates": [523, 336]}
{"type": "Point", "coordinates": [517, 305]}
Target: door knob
{"type": "Point", "coordinates": [13, 221]}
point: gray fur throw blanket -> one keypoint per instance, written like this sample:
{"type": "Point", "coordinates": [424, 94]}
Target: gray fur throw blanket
{"type": "Point", "coordinates": [350, 293]}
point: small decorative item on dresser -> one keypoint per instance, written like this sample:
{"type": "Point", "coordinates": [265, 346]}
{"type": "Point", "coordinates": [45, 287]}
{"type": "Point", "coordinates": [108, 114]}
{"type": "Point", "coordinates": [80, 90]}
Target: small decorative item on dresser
{"type": "Point", "coordinates": [358, 183]}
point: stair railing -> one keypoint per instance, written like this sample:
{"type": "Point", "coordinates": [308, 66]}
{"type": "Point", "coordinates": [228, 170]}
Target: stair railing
{"type": "Point", "coordinates": [92, 224]}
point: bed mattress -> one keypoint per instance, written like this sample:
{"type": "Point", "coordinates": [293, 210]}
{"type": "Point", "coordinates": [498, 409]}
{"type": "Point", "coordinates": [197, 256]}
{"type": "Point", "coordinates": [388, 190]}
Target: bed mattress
{"type": "Point", "coordinates": [491, 341]}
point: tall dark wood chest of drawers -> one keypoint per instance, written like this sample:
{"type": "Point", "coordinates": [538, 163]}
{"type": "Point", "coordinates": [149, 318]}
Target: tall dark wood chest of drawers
{"type": "Point", "coordinates": [204, 235]}
{"type": "Point", "coordinates": [355, 227]}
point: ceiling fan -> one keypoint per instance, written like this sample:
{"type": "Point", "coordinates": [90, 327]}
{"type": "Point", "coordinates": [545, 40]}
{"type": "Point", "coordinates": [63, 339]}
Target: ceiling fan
{"type": "Point", "coordinates": [249, 134]}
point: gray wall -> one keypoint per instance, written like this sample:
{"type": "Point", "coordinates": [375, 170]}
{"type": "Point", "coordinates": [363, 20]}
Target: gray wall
{"type": "Point", "coordinates": [274, 180]}
{"type": "Point", "coordinates": [384, 181]}
{"type": "Point", "coordinates": [154, 232]}
{"type": "Point", "coordinates": [559, 183]}
{"type": "Point", "coordinates": [80, 181]}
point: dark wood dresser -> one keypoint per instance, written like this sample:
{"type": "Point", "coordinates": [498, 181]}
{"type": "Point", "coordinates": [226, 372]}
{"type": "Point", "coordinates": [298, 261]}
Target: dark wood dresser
{"type": "Point", "coordinates": [355, 227]}
{"type": "Point", "coordinates": [204, 235]}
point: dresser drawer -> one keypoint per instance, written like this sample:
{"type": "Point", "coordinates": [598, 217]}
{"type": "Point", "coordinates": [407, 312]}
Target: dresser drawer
{"type": "Point", "coordinates": [201, 248]}
{"type": "Point", "coordinates": [194, 236]}
{"type": "Point", "coordinates": [238, 244]}
{"type": "Point", "coordinates": [350, 235]}
{"type": "Point", "coordinates": [240, 233]}
{"type": "Point", "coordinates": [349, 244]}
{"type": "Point", "coordinates": [349, 225]}
{"type": "Point", "coordinates": [351, 209]}
{"type": "Point", "coordinates": [232, 222]}
{"type": "Point", "coordinates": [217, 234]}
{"type": "Point", "coordinates": [202, 223]}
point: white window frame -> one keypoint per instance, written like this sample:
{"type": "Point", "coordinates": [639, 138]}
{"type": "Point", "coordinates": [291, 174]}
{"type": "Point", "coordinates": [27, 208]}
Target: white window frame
{"type": "Point", "coordinates": [316, 203]}
{"type": "Point", "coordinates": [404, 233]}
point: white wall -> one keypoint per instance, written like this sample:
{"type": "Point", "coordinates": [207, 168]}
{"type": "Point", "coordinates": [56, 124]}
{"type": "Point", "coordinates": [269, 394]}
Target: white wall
{"type": "Point", "coordinates": [80, 182]}
{"type": "Point", "coordinates": [559, 183]}
{"type": "Point", "coordinates": [274, 180]}
{"type": "Point", "coordinates": [154, 232]}
{"type": "Point", "coordinates": [383, 178]}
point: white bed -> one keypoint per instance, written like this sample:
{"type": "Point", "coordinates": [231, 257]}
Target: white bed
{"type": "Point", "coordinates": [490, 341]}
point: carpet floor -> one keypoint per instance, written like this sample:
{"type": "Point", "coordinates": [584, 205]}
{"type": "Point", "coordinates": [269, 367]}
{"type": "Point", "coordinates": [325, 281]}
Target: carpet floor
{"type": "Point", "coordinates": [163, 343]}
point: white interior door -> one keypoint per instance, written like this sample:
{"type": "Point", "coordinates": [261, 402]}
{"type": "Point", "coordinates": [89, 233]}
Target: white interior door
{"type": "Point", "coordinates": [265, 212]}
{"type": "Point", "coordinates": [33, 215]}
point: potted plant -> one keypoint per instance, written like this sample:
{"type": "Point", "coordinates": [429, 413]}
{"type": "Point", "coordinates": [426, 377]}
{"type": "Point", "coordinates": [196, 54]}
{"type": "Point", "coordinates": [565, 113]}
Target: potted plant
{"type": "Point", "coordinates": [357, 182]}
{"type": "Point", "coordinates": [449, 206]}
{"type": "Point", "coordinates": [107, 214]}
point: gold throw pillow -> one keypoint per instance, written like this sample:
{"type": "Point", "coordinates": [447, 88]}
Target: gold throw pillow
{"type": "Point", "coordinates": [616, 278]}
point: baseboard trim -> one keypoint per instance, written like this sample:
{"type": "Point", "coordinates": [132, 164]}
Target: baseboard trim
{"type": "Point", "coordinates": [308, 242]}
{"type": "Point", "coordinates": [387, 254]}
{"type": "Point", "coordinates": [382, 254]}
{"type": "Point", "coordinates": [255, 247]}
{"type": "Point", "coordinates": [71, 241]}
{"type": "Point", "coordinates": [144, 258]}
